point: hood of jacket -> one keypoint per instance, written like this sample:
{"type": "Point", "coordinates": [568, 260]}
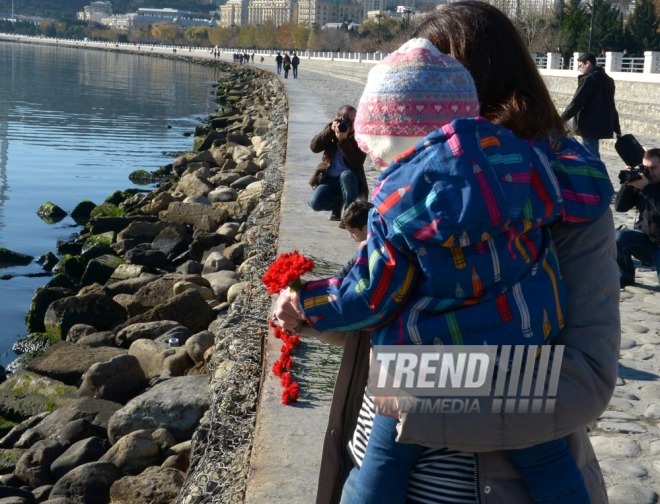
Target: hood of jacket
{"type": "Point", "coordinates": [473, 180]}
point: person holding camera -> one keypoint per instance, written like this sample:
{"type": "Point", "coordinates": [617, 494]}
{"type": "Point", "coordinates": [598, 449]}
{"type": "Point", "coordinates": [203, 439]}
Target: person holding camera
{"type": "Point", "coordinates": [339, 179]}
{"type": "Point", "coordinates": [641, 190]}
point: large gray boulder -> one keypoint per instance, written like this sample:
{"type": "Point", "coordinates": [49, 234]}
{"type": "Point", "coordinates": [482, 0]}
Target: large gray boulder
{"type": "Point", "coordinates": [133, 453]}
{"type": "Point", "coordinates": [220, 282]}
{"type": "Point", "coordinates": [155, 484]}
{"type": "Point", "coordinates": [172, 241]}
{"type": "Point", "coordinates": [94, 309]}
{"type": "Point", "coordinates": [79, 453]}
{"type": "Point", "coordinates": [144, 330]}
{"type": "Point", "coordinates": [26, 394]}
{"type": "Point", "coordinates": [87, 483]}
{"type": "Point", "coordinates": [119, 379]}
{"type": "Point", "coordinates": [198, 344]}
{"type": "Point", "coordinates": [144, 255]}
{"type": "Point", "coordinates": [187, 308]}
{"type": "Point", "coordinates": [97, 411]}
{"type": "Point", "coordinates": [141, 231]}
{"type": "Point", "coordinates": [100, 269]}
{"type": "Point", "coordinates": [197, 215]}
{"type": "Point", "coordinates": [41, 300]}
{"type": "Point", "coordinates": [194, 184]}
{"type": "Point", "coordinates": [66, 361]}
{"type": "Point", "coordinates": [176, 404]}
{"type": "Point", "coordinates": [34, 465]}
{"type": "Point", "coordinates": [152, 356]}
{"type": "Point", "coordinates": [159, 291]}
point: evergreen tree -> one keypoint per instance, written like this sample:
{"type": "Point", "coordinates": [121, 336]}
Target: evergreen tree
{"type": "Point", "coordinates": [608, 27]}
{"type": "Point", "coordinates": [575, 26]}
{"type": "Point", "coordinates": [642, 28]}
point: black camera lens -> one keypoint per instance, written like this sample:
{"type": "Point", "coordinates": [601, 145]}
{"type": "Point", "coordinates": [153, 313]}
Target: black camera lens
{"type": "Point", "coordinates": [343, 126]}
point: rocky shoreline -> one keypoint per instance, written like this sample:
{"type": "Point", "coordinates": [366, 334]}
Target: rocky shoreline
{"type": "Point", "coordinates": [156, 298]}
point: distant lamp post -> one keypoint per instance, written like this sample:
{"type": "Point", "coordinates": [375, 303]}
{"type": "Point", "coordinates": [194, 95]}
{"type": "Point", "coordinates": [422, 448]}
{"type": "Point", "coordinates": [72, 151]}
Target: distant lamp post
{"type": "Point", "coordinates": [591, 7]}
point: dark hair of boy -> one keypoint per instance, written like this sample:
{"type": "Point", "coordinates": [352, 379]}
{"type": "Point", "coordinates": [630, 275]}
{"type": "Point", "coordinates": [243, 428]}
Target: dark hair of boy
{"type": "Point", "coordinates": [357, 214]}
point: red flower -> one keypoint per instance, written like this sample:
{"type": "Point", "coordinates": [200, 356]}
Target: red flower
{"type": "Point", "coordinates": [290, 394]}
{"type": "Point", "coordinates": [277, 368]}
{"type": "Point", "coordinates": [286, 272]}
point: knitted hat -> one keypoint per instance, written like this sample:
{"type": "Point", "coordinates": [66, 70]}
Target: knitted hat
{"type": "Point", "coordinates": [411, 93]}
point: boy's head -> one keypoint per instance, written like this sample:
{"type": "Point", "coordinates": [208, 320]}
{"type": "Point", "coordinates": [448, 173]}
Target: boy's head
{"type": "Point", "coordinates": [355, 219]}
{"type": "Point", "coordinates": [411, 93]}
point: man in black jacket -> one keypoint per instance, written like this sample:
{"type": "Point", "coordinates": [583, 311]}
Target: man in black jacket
{"type": "Point", "coordinates": [592, 107]}
{"type": "Point", "coordinates": [343, 179]}
{"type": "Point", "coordinates": [643, 242]}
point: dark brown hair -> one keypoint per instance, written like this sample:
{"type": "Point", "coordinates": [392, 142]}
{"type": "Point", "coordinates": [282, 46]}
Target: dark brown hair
{"type": "Point", "coordinates": [356, 214]}
{"type": "Point", "coordinates": [510, 88]}
{"type": "Point", "coordinates": [584, 57]}
{"type": "Point", "coordinates": [652, 153]}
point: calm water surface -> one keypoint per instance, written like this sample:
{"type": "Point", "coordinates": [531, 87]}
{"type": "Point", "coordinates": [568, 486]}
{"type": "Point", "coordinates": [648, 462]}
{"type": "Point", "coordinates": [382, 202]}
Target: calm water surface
{"type": "Point", "coordinates": [73, 124]}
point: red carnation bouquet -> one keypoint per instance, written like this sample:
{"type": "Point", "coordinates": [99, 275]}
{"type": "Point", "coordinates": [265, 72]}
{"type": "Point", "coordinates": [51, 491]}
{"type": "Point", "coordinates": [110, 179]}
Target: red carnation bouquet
{"type": "Point", "coordinates": [284, 273]}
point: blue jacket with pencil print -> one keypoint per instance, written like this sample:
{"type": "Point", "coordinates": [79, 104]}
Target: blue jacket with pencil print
{"type": "Point", "coordinates": [459, 250]}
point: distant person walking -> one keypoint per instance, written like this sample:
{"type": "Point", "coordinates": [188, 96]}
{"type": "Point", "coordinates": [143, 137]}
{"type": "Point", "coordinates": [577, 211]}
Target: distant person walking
{"type": "Point", "coordinates": [286, 65]}
{"type": "Point", "coordinates": [592, 108]}
{"type": "Point", "coordinates": [278, 62]}
{"type": "Point", "coordinates": [295, 61]}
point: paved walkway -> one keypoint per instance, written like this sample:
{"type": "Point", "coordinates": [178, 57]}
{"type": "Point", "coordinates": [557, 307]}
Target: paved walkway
{"type": "Point", "coordinates": [288, 440]}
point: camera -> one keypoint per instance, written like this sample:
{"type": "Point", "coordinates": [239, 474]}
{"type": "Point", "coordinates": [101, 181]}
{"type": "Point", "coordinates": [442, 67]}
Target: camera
{"type": "Point", "coordinates": [633, 174]}
{"type": "Point", "coordinates": [344, 124]}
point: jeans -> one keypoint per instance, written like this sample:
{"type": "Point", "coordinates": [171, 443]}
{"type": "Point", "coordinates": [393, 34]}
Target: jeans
{"type": "Point", "coordinates": [592, 145]}
{"type": "Point", "coordinates": [295, 71]}
{"type": "Point", "coordinates": [629, 243]}
{"type": "Point", "coordinates": [383, 476]}
{"type": "Point", "coordinates": [551, 473]}
{"type": "Point", "coordinates": [549, 470]}
{"type": "Point", "coordinates": [279, 68]}
{"type": "Point", "coordinates": [335, 192]}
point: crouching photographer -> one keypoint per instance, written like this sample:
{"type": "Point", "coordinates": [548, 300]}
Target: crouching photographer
{"type": "Point", "coordinates": [339, 179]}
{"type": "Point", "coordinates": [640, 189]}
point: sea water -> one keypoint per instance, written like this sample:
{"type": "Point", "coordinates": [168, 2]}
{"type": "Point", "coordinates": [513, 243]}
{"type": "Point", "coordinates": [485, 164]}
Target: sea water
{"type": "Point", "coordinates": [74, 123]}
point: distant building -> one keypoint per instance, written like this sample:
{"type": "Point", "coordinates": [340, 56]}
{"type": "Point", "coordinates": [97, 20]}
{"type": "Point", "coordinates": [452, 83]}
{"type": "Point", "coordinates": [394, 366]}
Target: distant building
{"type": "Point", "coordinates": [234, 13]}
{"type": "Point", "coordinates": [120, 21]}
{"type": "Point", "coordinates": [277, 11]}
{"type": "Point", "coordinates": [322, 13]}
{"type": "Point", "coordinates": [373, 5]}
{"type": "Point", "coordinates": [95, 12]}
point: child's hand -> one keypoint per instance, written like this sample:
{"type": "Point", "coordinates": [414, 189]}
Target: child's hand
{"type": "Point", "coordinates": [287, 312]}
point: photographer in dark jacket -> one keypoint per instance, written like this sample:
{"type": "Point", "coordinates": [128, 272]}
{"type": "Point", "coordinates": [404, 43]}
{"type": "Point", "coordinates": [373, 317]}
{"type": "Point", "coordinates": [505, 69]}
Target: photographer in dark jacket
{"type": "Point", "coordinates": [643, 242]}
{"type": "Point", "coordinates": [339, 179]}
{"type": "Point", "coordinates": [592, 107]}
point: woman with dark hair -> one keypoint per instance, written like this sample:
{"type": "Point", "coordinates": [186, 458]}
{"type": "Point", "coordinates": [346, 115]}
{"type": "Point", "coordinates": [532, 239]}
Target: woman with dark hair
{"type": "Point", "coordinates": [467, 459]}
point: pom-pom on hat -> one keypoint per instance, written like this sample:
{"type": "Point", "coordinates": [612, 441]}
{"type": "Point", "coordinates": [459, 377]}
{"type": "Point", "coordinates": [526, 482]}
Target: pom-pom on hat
{"type": "Point", "coordinates": [411, 93]}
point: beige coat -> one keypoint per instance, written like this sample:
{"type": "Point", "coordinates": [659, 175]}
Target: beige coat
{"type": "Point", "coordinates": [588, 375]}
